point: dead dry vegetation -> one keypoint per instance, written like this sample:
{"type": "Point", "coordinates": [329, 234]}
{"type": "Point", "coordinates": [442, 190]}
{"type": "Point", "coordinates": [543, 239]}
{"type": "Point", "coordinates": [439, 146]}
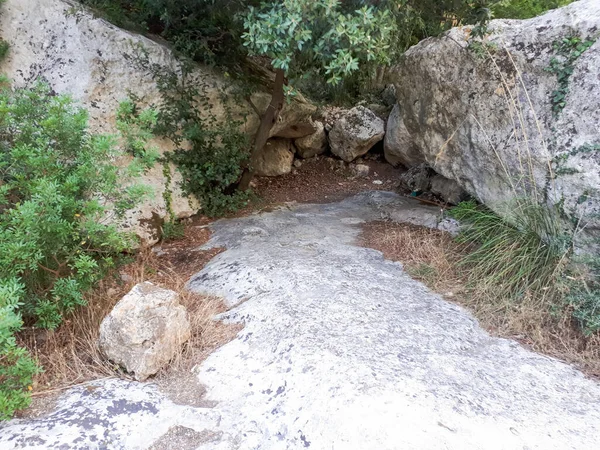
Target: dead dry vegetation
{"type": "Point", "coordinates": [434, 258]}
{"type": "Point", "coordinates": [70, 354]}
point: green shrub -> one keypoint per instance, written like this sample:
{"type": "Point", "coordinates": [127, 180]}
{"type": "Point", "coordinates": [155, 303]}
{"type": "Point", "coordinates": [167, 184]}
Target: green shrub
{"type": "Point", "coordinates": [525, 9]}
{"type": "Point", "coordinates": [583, 293]}
{"type": "Point", "coordinates": [209, 152]}
{"type": "Point", "coordinates": [56, 182]}
{"type": "Point", "coordinates": [137, 128]}
{"type": "Point", "coordinates": [513, 258]}
{"type": "Point", "coordinates": [17, 368]}
{"type": "Point", "coordinates": [568, 50]}
{"type": "Point", "coordinates": [530, 257]}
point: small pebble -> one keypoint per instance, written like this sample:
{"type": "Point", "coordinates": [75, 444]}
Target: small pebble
{"type": "Point", "coordinates": [378, 182]}
{"type": "Point", "coordinates": [126, 278]}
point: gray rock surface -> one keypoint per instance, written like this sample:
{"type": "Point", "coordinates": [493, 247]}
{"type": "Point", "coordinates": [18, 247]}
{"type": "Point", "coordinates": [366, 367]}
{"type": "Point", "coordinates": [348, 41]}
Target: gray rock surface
{"type": "Point", "coordinates": [145, 330]}
{"type": "Point", "coordinates": [447, 189]}
{"type": "Point", "coordinates": [398, 146]}
{"type": "Point", "coordinates": [484, 117]}
{"type": "Point", "coordinates": [276, 158]}
{"type": "Point", "coordinates": [355, 133]}
{"type": "Point", "coordinates": [313, 144]}
{"type": "Point", "coordinates": [360, 170]}
{"type": "Point", "coordinates": [106, 415]}
{"type": "Point", "coordinates": [341, 349]}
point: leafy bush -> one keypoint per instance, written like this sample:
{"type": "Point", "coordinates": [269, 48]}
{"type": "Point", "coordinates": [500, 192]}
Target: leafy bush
{"type": "Point", "coordinates": [17, 368]}
{"type": "Point", "coordinates": [56, 180]}
{"type": "Point", "coordinates": [209, 152]}
{"type": "Point", "coordinates": [583, 293]}
{"type": "Point", "coordinates": [137, 128]}
{"type": "Point", "coordinates": [568, 50]}
{"type": "Point", "coordinates": [525, 9]}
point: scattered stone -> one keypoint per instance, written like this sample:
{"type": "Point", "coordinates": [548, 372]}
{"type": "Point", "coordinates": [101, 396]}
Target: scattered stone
{"type": "Point", "coordinates": [126, 277]}
{"type": "Point", "coordinates": [378, 182]}
{"type": "Point", "coordinates": [381, 111]}
{"type": "Point", "coordinates": [356, 133]}
{"type": "Point", "coordinates": [421, 179]}
{"type": "Point", "coordinates": [449, 225]}
{"type": "Point", "coordinates": [276, 159]}
{"type": "Point", "coordinates": [158, 251]}
{"type": "Point", "coordinates": [417, 178]}
{"type": "Point", "coordinates": [297, 163]}
{"type": "Point", "coordinates": [144, 330]}
{"type": "Point", "coordinates": [313, 144]}
{"type": "Point", "coordinates": [360, 170]}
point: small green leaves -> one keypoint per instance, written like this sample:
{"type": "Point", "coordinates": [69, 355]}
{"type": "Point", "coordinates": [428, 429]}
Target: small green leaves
{"type": "Point", "coordinates": [568, 50]}
{"type": "Point", "coordinates": [319, 32]}
{"type": "Point", "coordinates": [57, 180]}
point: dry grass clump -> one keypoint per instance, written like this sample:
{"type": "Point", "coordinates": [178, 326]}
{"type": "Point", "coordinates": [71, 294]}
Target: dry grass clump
{"type": "Point", "coordinates": [70, 354]}
{"type": "Point", "coordinates": [430, 256]}
{"type": "Point", "coordinates": [438, 260]}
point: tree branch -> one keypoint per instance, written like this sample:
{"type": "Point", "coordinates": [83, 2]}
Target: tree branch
{"type": "Point", "coordinates": [254, 107]}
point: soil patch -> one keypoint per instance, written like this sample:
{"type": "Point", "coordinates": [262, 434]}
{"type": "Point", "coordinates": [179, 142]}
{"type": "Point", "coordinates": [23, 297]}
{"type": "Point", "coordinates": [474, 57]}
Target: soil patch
{"type": "Point", "coordinates": [323, 180]}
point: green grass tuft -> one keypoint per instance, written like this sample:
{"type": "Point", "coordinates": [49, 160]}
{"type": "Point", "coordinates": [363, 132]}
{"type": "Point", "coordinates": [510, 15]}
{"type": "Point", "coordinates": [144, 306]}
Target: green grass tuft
{"type": "Point", "coordinates": [522, 256]}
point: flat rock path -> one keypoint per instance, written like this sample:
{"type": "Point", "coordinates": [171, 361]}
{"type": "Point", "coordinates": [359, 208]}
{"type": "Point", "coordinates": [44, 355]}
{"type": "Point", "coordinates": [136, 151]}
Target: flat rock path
{"type": "Point", "coordinates": [341, 349]}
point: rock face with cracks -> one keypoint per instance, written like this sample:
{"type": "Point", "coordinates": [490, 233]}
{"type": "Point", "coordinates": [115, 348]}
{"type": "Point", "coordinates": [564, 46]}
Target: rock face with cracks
{"type": "Point", "coordinates": [145, 330]}
{"type": "Point", "coordinates": [341, 349]}
{"type": "Point", "coordinates": [482, 114]}
{"type": "Point", "coordinates": [313, 144]}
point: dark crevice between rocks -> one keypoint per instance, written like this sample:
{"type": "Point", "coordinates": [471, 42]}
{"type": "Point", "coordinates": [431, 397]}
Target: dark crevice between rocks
{"type": "Point", "coordinates": [424, 183]}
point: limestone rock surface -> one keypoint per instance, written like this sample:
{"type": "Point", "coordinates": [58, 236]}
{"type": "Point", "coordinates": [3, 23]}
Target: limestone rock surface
{"type": "Point", "coordinates": [314, 144]}
{"type": "Point", "coordinates": [276, 159]}
{"type": "Point", "coordinates": [355, 133]}
{"type": "Point", "coordinates": [77, 53]}
{"type": "Point", "coordinates": [339, 349]}
{"type": "Point", "coordinates": [144, 330]}
{"type": "Point", "coordinates": [485, 118]}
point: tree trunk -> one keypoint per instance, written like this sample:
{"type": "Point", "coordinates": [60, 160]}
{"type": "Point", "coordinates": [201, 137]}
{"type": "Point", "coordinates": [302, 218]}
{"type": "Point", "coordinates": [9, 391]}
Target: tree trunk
{"type": "Point", "coordinates": [267, 121]}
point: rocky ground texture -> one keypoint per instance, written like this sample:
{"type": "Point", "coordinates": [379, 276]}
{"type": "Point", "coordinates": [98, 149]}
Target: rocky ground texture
{"type": "Point", "coordinates": [341, 349]}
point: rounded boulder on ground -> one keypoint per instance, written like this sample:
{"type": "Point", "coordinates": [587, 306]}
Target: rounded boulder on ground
{"type": "Point", "coordinates": [145, 330]}
{"type": "Point", "coordinates": [356, 133]}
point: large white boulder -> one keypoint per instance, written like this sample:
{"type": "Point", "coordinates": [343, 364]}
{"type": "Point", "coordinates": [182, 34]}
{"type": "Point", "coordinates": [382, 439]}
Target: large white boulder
{"type": "Point", "coordinates": [355, 133]}
{"type": "Point", "coordinates": [145, 330]}
{"type": "Point", "coordinates": [483, 115]}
